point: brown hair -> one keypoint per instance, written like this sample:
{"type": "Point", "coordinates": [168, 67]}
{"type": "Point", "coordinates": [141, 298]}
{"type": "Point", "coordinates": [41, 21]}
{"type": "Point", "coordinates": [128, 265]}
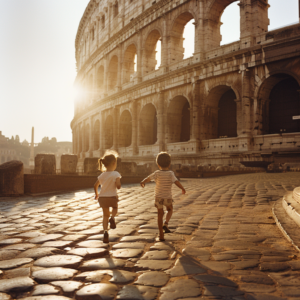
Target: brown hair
{"type": "Point", "coordinates": [107, 160]}
{"type": "Point", "coordinates": [163, 159]}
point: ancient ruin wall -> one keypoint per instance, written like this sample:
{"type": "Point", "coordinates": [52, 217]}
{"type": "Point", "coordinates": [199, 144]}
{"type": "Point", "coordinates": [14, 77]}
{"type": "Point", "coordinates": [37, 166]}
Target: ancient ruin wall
{"type": "Point", "coordinates": [216, 106]}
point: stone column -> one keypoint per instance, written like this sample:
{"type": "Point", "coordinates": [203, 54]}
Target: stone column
{"type": "Point", "coordinates": [195, 135]}
{"type": "Point", "coordinates": [239, 117]}
{"type": "Point", "coordinates": [105, 75]}
{"type": "Point", "coordinates": [73, 141]}
{"type": "Point", "coordinates": [161, 122]}
{"type": "Point", "coordinates": [78, 140]}
{"type": "Point", "coordinates": [101, 133]}
{"type": "Point", "coordinates": [246, 105]}
{"type": "Point", "coordinates": [83, 138]}
{"type": "Point", "coordinates": [119, 80]}
{"type": "Point", "coordinates": [94, 87]}
{"type": "Point", "coordinates": [164, 45]}
{"type": "Point", "coordinates": [135, 150]}
{"type": "Point", "coordinates": [116, 128]}
{"type": "Point", "coordinates": [139, 58]}
{"type": "Point", "coordinates": [199, 33]}
{"type": "Point", "coordinates": [109, 18]}
{"type": "Point", "coordinates": [91, 137]}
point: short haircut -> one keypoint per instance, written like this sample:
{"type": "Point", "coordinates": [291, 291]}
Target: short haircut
{"type": "Point", "coordinates": [163, 159]}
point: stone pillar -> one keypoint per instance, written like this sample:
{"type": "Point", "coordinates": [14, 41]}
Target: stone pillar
{"type": "Point", "coordinates": [83, 137]}
{"type": "Point", "coordinates": [246, 105]}
{"type": "Point", "coordinates": [94, 87]}
{"type": "Point", "coordinates": [116, 129]}
{"type": "Point", "coordinates": [164, 45]}
{"type": "Point", "coordinates": [78, 140]}
{"type": "Point", "coordinates": [105, 75]}
{"type": "Point", "coordinates": [199, 33]}
{"type": "Point", "coordinates": [161, 122]}
{"type": "Point", "coordinates": [135, 150]}
{"type": "Point", "coordinates": [139, 58]}
{"type": "Point", "coordinates": [109, 18]}
{"type": "Point", "coordinates": [73, 141]}
{"type": "Point", "coordinates": [119, 80]}
{"type": "Point", "coordinates": [239, 117]}
{"type": "Point", "coordinates": [195, 135]}
{"type": "Point", "coordinates": [101, 133]}
{"type": "Point", "coordinates": [91, 137]}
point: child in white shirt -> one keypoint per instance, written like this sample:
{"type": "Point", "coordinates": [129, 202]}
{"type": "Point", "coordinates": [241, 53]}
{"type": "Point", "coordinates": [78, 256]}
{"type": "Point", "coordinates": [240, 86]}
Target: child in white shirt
{"type": "Point", "coordinates": [164, 178]}
{"type": "Point", "coordinates": [108, 197]}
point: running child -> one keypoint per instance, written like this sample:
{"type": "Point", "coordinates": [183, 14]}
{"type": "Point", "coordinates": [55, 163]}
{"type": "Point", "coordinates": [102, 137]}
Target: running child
{"type": "Point", "coordinates": [108, 197]}
{"type": "Point", "coordinates": [164, 178]}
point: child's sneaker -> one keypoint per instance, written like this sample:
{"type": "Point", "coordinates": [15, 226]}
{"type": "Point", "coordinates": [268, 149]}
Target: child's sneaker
{"type": "Point", "coordinates": [166, 228]}
{"type": "Point", "coordinates": [112, 223]}
{"type": "Point", "coordinates": [105, 238]}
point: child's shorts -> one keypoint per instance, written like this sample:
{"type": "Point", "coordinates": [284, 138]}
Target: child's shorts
{"type": "Point", "coordinates": [108, 202]}
{"type": "Point", "coordinates": [160, 203]}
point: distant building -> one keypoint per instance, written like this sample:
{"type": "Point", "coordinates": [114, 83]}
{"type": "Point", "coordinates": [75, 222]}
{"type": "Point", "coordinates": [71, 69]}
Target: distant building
{"type": "Point", "coordinates": [7, 151]}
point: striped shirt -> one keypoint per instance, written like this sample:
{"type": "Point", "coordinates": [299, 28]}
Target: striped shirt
{"type": "Point", "coordinates": [164, 181]}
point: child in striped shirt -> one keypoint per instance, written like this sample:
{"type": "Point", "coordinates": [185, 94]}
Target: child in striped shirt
{"type": "Point", "coordinates": [164, 178]}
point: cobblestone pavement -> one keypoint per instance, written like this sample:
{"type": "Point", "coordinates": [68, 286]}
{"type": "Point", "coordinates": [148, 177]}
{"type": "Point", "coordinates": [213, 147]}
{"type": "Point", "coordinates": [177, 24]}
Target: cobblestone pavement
{"type": "Point", "coordinates": [225, 244]}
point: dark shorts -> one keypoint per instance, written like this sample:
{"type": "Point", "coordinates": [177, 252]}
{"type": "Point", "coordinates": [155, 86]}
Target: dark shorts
{"type": "Point", "coordinates": [108, 202]}
{"type": "Point", "coordinates": [160, 203]}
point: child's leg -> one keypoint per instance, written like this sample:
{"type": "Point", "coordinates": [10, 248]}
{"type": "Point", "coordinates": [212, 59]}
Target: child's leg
{"type": "Point", "coordinates": [160, 215]}
{"type": "Point", "coordinates": [114, 212]}
{"type": "Point", "coordinates": [106, 215]}
{"type": "Point", "coordinates": [169, 213]}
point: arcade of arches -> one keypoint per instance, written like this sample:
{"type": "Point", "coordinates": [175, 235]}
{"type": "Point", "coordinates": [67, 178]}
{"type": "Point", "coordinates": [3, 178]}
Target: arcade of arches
{"type": "Point", "coordinates": [222, 103]}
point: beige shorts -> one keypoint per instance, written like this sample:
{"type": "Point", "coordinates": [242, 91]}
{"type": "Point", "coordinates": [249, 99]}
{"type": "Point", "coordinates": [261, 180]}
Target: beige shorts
{"type": "Point", "coordinates": [108, 201]}
{"type": "Point", "coordinates": [160, 203]}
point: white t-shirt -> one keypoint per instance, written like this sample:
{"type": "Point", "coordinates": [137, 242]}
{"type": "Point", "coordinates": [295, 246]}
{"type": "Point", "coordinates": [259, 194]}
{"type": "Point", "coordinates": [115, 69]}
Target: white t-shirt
{"type": "Point", "coordinates": [164, 181]}
{"type": "Point", "coordinates": [107, 181]}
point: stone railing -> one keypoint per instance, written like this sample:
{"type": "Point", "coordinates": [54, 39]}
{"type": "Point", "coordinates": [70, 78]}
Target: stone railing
{"type": "Point", "coordinates": [125, 151]}
{"type": "Point", "coordinates": [181, 147]}
{"type": "Point", "coordinates": [148, 150]}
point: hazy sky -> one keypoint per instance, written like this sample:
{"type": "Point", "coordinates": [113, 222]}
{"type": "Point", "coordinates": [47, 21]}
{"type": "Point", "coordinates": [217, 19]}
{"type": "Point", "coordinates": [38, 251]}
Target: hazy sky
{"type": "Point", "coordinates": [37, 61]}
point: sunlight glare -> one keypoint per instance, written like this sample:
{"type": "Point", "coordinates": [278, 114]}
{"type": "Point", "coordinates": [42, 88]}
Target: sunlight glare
{"type": "Point", "coordinates": [158, 54]}
{"type": "Point", "coordinates": [135, 63]}
{"type": "Point", "coordinates": [189, 39]}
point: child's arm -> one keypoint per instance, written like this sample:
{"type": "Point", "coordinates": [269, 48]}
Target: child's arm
{"type": "Point", "coordinates": [96, 185]}
{"type": "Point", "coordinates": [144, 181]}
{"type": "Point", "coordinates": [180, 186]}
{"type": "Point", "coordinates": [118, 183]}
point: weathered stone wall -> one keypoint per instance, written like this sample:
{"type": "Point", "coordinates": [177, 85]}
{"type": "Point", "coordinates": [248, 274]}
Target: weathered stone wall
{"type": "Point", "coordinates": [11, 178]}
{"type": "Point", "coordinates": [68, 163]}
{"type": "Point", "coordinates": [141, 113]}
{"type": "Point", "coordinates": [45, 164]}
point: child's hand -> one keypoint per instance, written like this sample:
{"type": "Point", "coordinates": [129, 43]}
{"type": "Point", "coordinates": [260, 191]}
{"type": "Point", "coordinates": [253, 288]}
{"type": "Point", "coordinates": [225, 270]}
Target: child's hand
{"type": "Point", "coordinates": [142, 184]}
{"type": "Point", "coordinates": [96, 197]}
{"type": "Point", "coordinates": [183, 191]}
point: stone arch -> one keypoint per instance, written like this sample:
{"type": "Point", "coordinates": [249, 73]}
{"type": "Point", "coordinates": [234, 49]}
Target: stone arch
{"type": "Point", "coordinates": [108, 132]}
{"type": "Point", "coordinates": [149, 57]}
{"type": "Point", "coordinates": [176, 36]}
{"type": "Point", "coordinates": [115, 7]}
{"type": "Point", "coordinates": [100, 77]}
{"type": "Point", "coordinates": [222, 119]}
{"type": "Point", "coordinates": [125, 129]}
{"type": "Point", "coordinates": [148, 125]}
{"type": "Point", "coordinates": [212, 17]}
{"type": "Point", "coordinates": [86, 137]}
{"type": "Point", "coordinates": [128, 62]}
{"type": "Point", "coordinates": [112, 73]}
{"type": "Point", "coordinates": [96, 135]}
{"type": "Point", "coordinates": [178, 120]}
{"type": "Point", "coordinates": [278, 101]}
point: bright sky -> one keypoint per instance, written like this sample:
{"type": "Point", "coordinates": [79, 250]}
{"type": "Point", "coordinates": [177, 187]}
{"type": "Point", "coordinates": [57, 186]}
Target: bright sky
{"type": "Point", "coordinates": [37, 59]}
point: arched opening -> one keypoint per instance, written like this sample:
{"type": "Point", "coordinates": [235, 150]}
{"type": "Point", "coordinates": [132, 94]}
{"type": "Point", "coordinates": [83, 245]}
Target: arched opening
{"type": "Point", "coordinates": [125, 129]}
{"type": "Point", "coordinates": [112, 73]}
{"type": "Point", "coordinates": [87, 137]}
{"type": "Point", "coordinates": [230, 24]}
{"type": "Point", "coordinates": [100, 77]}
{"type": "Point", "coordinates": [149, 59]}
{"type": "Point", "coordinates": [115, 9]}
{"type": "Point", "coordinates": [103, 22]}
{"type": "Point", "coordinates": [227, 125]}
{"type": "Point", "coordinates": [178, 120]}
{"type": "Point", "coordinates": [129, 63]}
{"type": "Point", "coordinates": [214, 19]}
{"type": "Point", "coordinates": [221, 115]}
{"type": "Point", "coordinates": [189, 39]}
{"type": "Point", "coordinates": [97, 135]}
{"type": "Point", "coordinates": [280, 102]}
{"type": "Point", "coordinates": [177, 50]}
{"type": "Point", "coordinates": [148, 125]}
{"type": "Point", "coordinates": [108, 132]}
{"type": "Point", "coordinates": [283, 13]}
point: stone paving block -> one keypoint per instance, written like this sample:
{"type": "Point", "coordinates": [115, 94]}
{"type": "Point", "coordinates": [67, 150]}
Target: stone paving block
{"type": "Point", "coordinates": [45, 289]}
{"type": "Point", "coordinates": [93, 276]}
{"type": "Point", "coordinates": [215, 280]}
{"type": "Point", "coordinates": [259, 279]}
{"type": "Point", "coordinates": [103, 263]}
{"type": "Point", "coordinates": [245, 264]}
{"type": "Point", "coordinates": [8, 254]}
{"type": "Point", "coordinates": [286, 279]}
{"type": "Point", "coordinates": [136, 238]}
{"type": "Point", "coordinates": [51, 274]}
{"type": "Point", "coordinates": [4, 296]}
{"type": "Point", "coordinates": [263, 297]}
{"type": "Point", "coordinates": [68, 286]}
{"type": "Point", "coordinates": [20, 247]}
{"type": "Point", "coordinates": [45, 238]}
{"type": "Point", "coordinates": [88, 252]}
{"type": "Point", "coordinates": [112, 238]}
{"type": "Point", "coordinates": [156, 255]}
{"type": "Point", "coordinates": [162, 246]}
{"type": "Point", "coordinates": [57, 244]}
{"type": "Point", "coordinates": [295, 265]}
{"type": "Point", "coordinates": [14, 263]}
{"type": "Point", "coordinates": [135, 292]}
{"type": "Point", "coordinates": [186, 266]}
{"type": "Point", "coordinates": [10, 241]}
{"type": "Point", "coordinates": [180, 289]}
{"type": "Point", "coordinates": [274, 267]}
{"type": "Point", "coordinates": [19, 272]}
{"type": "Point", "coordinates": [73, 237]}
{"type": "Point", "coordinates": [213, 290]}
{"type": "Point", "coordinates": [135, 245]}
{"type": "Point", "coordinates": [103, 291]}
{"type": "Point", "coordinates": [121, 276]}
{"type": "Point", "coordinates": [39, 252]}
{"type": "Point", "coordinates": [291, 291]}
{"type": "Point", "coordinates": [127, 253]}
{"type": "Point", "coordinates": [220, 257]}
{"type": "Point", "coordinates": [257, 288]}
{"type": "Point", "coordinates": [153, 278]}
{"type": "Point", "coordinates": [92, 244]}
{"type": "Point", "coordinates": [68, 261]}
{"type": "Point", "coordinates": [16, 284]}
{"type": "Point", "coordinates": [202, 254]}
{"type": "Point", "coordinates": [154, 264]}
{"type": "Point", "coordinates": [46, 297]}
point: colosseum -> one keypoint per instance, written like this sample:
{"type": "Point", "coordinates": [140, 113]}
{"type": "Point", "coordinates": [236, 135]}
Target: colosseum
{"type": "Point", "coordinates": [224, 105]}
